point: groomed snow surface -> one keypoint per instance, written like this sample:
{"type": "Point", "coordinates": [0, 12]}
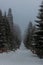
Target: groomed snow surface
{"type": "Point", "coordinates": [20, 57]}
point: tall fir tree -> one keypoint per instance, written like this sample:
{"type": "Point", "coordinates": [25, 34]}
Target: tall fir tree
{"type": "Point", "coordinates": [33, 40]}
{"type": "Point", "coordinates": [1, 30]}
{"type": "Point", "coordinates": [10, 19]}
{"type": "Point", "coordinates": [39, 33]}
{"type": "Point", "coordinates": [3, 40]}
{"type": "Point", "coordinates": [15, 31]}
{"type": "Point", "coordinates": [7, 31]}
{"type": "Point", "coordinates": [28, 36]}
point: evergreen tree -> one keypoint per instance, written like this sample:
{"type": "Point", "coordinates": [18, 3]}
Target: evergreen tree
{"type": "Point", "coordinates": [1, 33]}
{"type": "Point", "coordinates": [10, 19]}
{"type": "Point", "coordinates": [15, 32]}
{"type": "Point", "coordinates": [28, 36]}
{"type": "Point", "coordinates": [33, 40]}
{"type": "Point", "coordinates": [17, 36]}
{"type": "Point", "coordinates": [7, 31]}
{"type": "Point", "coordinates": [39, 33]}
{"type": "Point", "coordinates": [3, 36]}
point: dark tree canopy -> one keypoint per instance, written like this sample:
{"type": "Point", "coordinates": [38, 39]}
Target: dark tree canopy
{"type": "Point", "coordinates": [39, 33]}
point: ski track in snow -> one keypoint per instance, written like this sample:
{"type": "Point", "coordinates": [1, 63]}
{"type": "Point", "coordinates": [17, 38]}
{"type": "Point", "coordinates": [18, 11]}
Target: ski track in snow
{"type": "Point", "coordinates": [20, 57]}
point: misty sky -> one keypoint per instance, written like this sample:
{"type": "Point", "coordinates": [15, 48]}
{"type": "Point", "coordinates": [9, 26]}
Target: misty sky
{"type": "Point", "coordinates": [23, 10]}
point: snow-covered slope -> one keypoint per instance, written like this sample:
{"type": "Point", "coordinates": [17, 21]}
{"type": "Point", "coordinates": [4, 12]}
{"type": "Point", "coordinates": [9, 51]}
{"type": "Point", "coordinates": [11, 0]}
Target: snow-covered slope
{"type": "Point", "coordinates": [22, 47]}
{"type": "Point", "coordinates": [20, 57]}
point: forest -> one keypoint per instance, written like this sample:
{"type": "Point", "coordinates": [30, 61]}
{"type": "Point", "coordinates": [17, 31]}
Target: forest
{"type": "Point", "coordinates": [10, 34]}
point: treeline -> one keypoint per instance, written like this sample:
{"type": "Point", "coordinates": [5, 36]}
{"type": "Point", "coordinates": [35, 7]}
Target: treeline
{"type": "Point", "coordinates": [33, 39]}
{"type": "Point", "coordinates": [10, 33]}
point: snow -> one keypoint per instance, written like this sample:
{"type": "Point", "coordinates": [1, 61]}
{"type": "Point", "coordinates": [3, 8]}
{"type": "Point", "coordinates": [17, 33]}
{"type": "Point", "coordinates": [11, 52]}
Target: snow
{"type": "Point", "coordinates": [22, 47]}
{"type": "Point", "coordinates": [20, 57]}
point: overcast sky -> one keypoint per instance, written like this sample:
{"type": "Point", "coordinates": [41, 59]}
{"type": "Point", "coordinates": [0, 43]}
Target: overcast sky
{"type": "Point", "coordinates": [23, 10]}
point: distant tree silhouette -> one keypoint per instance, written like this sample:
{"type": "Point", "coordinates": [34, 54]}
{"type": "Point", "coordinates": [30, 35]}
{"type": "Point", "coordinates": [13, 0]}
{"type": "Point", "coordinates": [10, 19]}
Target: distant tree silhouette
{"type": "Point", "coordinates": [17, 36]}
{"type": "Point", "coordinates": [28, 36]}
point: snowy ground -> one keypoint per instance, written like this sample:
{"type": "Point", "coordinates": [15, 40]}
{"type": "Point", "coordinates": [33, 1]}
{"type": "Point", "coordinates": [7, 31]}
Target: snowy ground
{"type": "Point", "coordinates": [20, 57]}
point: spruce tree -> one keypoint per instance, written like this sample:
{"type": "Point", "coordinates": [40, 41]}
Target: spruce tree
{"type": "Point", "coordinates": [1, 27]}
{"type": "Point", "coordinates": [39, 33]}
{"type": "Point", "coordinates": [33, 40]}
{"type": "Point", "coordinates": [10, 19]}
{"type": "Point", "coordinates": [7, 31]}
{"type": "Point", "coordinates": [28, 36]}
{"type": "Point", "coordinates": [2, 31]}
{"type": "Point", "coordinates": [6, 35]}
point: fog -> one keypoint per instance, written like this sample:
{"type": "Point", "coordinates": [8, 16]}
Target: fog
{"type": "Point", "coordinates": [23, 10]}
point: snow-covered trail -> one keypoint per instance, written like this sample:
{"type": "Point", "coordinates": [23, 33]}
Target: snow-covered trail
{"type": "Point", "coordinates": [21, 57]}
